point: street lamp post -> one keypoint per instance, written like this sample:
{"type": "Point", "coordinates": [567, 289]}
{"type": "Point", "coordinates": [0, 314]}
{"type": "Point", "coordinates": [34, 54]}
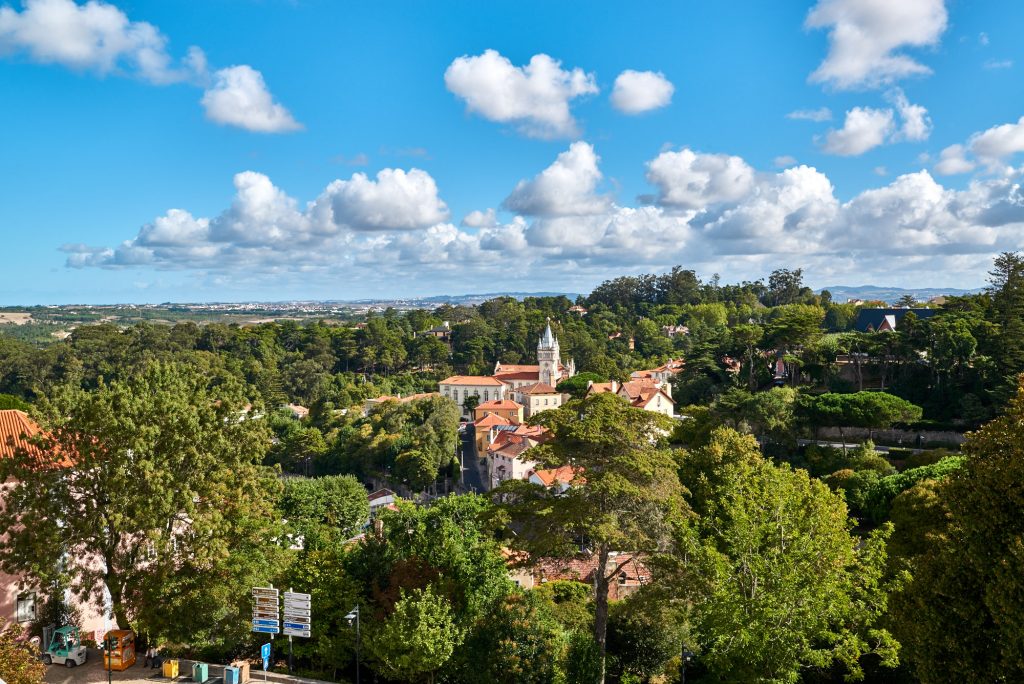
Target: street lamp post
{"type": "Point", "coordinates": [687, 658]}
{"type": "Point", "coordinates": [353, 618]}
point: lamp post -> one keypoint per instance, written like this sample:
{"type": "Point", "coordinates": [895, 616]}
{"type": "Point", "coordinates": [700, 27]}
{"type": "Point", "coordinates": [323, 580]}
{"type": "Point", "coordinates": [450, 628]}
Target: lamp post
{"type": "Point", "coordinates": [687, 658]}
{"type": "Point", "coordinates": [353, 618]}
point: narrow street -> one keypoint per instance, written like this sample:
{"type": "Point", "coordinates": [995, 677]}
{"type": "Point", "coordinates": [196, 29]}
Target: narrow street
{"type": "Point", "coordinates": [473, 476]}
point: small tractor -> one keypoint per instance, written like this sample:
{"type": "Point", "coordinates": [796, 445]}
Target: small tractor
{"type": "Point", "coordinates": [65, 648]}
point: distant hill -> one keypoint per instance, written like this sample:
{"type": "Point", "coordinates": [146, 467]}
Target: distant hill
{"type": "Point", "coordinates": [841, 293]}
{"type": "Point", "coordinates": [466, 299]}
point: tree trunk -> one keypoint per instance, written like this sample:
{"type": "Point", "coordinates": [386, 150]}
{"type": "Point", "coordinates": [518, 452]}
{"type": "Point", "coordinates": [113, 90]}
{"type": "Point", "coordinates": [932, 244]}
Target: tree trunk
{"type": "Point", "coordinates": [113, 582]}
{"type": "Point", "coordinates": [601, 607]}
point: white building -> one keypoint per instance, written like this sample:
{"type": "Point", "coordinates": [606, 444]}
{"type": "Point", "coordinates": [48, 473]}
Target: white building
{"type": "Point", "coordinates": [459, 388]}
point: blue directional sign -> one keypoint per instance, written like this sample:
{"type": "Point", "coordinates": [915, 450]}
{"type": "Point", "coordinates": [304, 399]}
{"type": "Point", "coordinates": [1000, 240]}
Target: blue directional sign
{"type": "Point", "coordinates": [296, 625]}
{"type": "Point", "coordinates": [266, 630]}
{"type": "Point", "coordinates": [264, 623]}
{"type": "Point", "coordinates": [265, 651]}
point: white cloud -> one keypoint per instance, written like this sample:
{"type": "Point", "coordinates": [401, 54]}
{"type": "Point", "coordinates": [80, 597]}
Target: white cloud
{"type": "Point", "coordinates": [784, 161]}
{"type": "Point", "coordinates": [999, 142]}
{"type": "Point", "coordinates": [100, 37]}
{"type": "Point", "coordinates": [636, 92]}
{"type": "Point", "coordinates": [818, 115]}
{"type": "Point", "coordinates": [863, 129]}
{"type": "Point", "coordinates": [917, 125]}
{"type": "Point", "coordinates": [397, 200]}
{"type": "Point", "coordinates": [954, 160]}
{"type": "Point", "coordinates": [566, 188]}
{"type": "Point", "coordinates": [535, 97]}
{"type": "Point", "coordinates": [95, 36]}
{"type": "Point", "coordinates": [866, 37]}
{"type": "Point", "coordinates": [738, 229]}
{"type": "Point", "coordinates": [688, 179]}
{"type": "Point", "coordinates": [239, 97]}
{"type": "Point", "coordinates": [998, 64]}
{"type": "Point", "coordinates": [480, 219]}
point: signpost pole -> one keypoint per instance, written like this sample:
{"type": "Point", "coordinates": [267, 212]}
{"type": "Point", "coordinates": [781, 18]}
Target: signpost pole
{"type": "Point", "coordinates": [290, 590]}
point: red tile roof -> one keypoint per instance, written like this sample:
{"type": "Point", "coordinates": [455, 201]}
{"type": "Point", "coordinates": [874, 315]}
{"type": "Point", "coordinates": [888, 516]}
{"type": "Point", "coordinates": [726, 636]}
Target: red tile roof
{"type": "Point", "coordinates": [537, 388]}
{"type": "Point", "coordinates": [16, 429]}
{"type": "Point", "coordinates": [563, 474]}
{"type": "Point", "coordinates": [499, 404]}
{"type": "Point", "coordinates": [518, 375]}
{"type": "Point", "coordinates": [504, 368]}
{"type": "Point", "coordinates": [492, 419]}
{"type": "Point", "coordinates": [472, 380]}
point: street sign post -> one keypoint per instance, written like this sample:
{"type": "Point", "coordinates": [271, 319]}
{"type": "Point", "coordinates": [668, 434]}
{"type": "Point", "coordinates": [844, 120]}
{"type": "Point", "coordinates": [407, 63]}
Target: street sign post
{"type": "Point", "coordinates": [297, 618]}
{"type": "Point", "coordinates": [266, 611]}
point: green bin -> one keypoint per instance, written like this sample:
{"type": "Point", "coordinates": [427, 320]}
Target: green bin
{"type": "Point", "coordinates": [200, 672]}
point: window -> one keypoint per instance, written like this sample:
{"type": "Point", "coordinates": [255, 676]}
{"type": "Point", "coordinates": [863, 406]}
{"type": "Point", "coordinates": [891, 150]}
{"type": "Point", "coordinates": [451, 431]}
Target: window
{"type": "Point", "coordinates": [487, 395]}
{"type": "Point", "coordinates": [622, 578]}
{"type": "Point", "coordinates": [26, 611]}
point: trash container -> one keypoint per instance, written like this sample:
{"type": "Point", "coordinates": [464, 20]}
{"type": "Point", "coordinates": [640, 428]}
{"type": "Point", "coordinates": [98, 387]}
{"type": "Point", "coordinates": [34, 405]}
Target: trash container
{"type": "Point", "coordinates": [170, 669]}
{"type": "Point", "coordinates": [231, 675]}
{"type": "Point", "coordinates": [243, 670]}
{"type": "Point", "coordinates": [200, 672]}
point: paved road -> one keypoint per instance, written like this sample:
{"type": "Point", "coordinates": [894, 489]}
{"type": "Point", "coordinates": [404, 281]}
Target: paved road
{"type": "Point", "coordinates": [92, 672]}
{"type": "Point", "coordinates": [854, 445]}
{"type": "Point", "coordinates": [473, 476]}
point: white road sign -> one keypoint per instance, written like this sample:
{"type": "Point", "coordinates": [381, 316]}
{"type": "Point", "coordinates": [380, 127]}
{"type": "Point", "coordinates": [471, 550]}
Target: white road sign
{"type": "Point", "coordinates": [295, 632]}
{"type": "Point", "coordinates": [288, 595]}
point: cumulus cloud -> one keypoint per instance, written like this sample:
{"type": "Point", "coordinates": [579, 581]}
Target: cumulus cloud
{"type": "Point", "coordinates": [953, 160]}
{"type": "Point", "coordinates": [239, 97]}
{"type": "Point", "coordinates": [636, 92]}
{"type": "Point", "coordinates": [866, 39]}
{"type": "Point", "coordinates": [534, 98]}
{"type": "Point", "coordinates": [690, 180]}
{"type": "Point", "coordinates": [99, 37]}
{"type": "Point", "coordinates": [818, 115]}
{"type": "Point", "coordinates": [480, 219]}
{"type": "Point", "coordinates": [866, 128]}
{"type": "Point", "coordinates": [990, 148]}
{"type": "Point", "coordinates": [396, 200]}
{"type": "Point", "coordinates": [94, 36]}
{"type": "Point", "coordinates": [713, 212]}
{"type": "Point", "coordinates": [566, 188]}
{"type": "Point", "coordinates": [784, 161]}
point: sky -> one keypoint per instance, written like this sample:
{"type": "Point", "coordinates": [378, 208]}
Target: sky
{"type": "Point", "coordinates": [236, 150]}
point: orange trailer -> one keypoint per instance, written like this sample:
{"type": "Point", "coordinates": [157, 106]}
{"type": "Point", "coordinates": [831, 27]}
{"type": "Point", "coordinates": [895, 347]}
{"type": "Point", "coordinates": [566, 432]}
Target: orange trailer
{"type": "Point", "coordinates": [119, 649]}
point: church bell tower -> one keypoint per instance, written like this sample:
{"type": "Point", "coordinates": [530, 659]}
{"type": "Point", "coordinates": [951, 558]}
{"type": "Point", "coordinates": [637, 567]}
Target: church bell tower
{"type": "Point", "coordinates": [548, 357]}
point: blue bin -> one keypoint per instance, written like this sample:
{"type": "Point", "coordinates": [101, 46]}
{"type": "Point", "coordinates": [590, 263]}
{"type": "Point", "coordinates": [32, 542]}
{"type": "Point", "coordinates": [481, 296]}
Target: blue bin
{"type": "Point", "coordinates": [232, 675]}
{"type": "Point", "coordinates": [200, 672]}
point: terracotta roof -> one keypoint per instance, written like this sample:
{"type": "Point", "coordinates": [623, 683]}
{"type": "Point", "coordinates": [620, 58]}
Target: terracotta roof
{"type": "Point", "coordinates": [581, 568]}
{"type": "Point", "coordinates": [537, 388]}
{"type": "Point", "coordinates": [16, 428]}
{"type": "Point", "coordinates": [492, 419]}
{"type": "Point", "coordinates": [380, 494]}
{"type": "Point", "coordinates": [507, 378]}
{"type": "Point", "coordinates": [473, 380]}
{"type": "Point", "coordinates": [505, 368]}
{"type": "Point", "coordinates": [502, 404]}
{"type": "Point", "coordinates": [599, 387]}
{"type": "Point", "coordinates": [634, 388]}
{"type": "Point", "coordinates": [564, 474]}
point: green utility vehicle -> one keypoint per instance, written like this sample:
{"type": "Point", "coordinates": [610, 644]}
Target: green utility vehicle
{"type": "Point", "coordinates": [65, 648]}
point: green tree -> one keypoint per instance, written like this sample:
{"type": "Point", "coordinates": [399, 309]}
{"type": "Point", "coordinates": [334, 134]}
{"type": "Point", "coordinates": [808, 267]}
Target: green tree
{"type": "Point", "coordinates": [967, 595]}
{"type": "Point", "coordinates": [18, 663]}
{"type": "Point", "coordinates": [417, 639]}
{"type": "Point", "coordinates": [519, 643]}
{"type": "Point", "coordinates": [776, 581]}
{"type": "Point", "coordinates": [325, 510]}
{"type": "Point", "coordinates": [577, 384]}
{"type": "Point", "coordinates": [158, 477]}
{"type": "Point", "coordinates": [625, 497]}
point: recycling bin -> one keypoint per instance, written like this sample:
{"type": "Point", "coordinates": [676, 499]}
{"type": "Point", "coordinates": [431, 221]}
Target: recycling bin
{"type": "Point", "coordinates": [200, 672]}
{"type": "Point", "coordinates": [231, 675]}
{"type": "Point", "coordinates": [170, 669]}
{"type": "Point", "coordinates": [243, 670]}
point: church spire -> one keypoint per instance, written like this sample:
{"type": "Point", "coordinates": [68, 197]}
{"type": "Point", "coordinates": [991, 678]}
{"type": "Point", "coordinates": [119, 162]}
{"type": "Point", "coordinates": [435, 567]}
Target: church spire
{"type": "Point", "coordinates": [547, 340]}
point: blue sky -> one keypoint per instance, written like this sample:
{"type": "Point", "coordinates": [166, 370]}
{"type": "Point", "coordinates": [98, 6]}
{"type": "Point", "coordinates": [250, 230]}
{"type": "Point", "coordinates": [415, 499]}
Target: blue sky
{"type": "Point", "coordinates": [233, 149]}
